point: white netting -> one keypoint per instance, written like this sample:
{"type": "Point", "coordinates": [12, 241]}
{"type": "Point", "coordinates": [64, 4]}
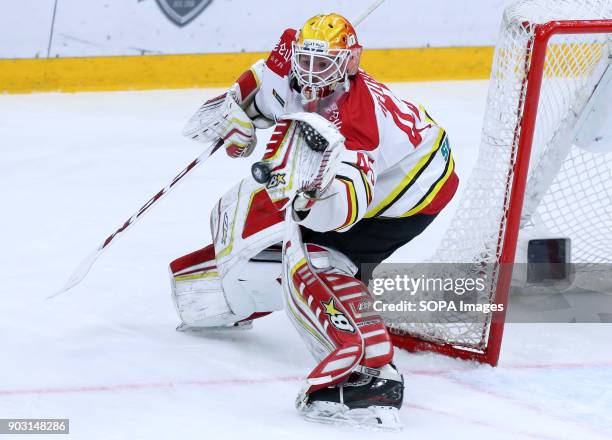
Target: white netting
{"type": "Point", "coordinates": [569, 190]}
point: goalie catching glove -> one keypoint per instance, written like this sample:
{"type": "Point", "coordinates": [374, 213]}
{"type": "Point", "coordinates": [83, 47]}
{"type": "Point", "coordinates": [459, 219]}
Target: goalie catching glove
{"type": "Point", "coordinates": [300, 162]}
{"type": "Point", "coordinates": [222, 118]}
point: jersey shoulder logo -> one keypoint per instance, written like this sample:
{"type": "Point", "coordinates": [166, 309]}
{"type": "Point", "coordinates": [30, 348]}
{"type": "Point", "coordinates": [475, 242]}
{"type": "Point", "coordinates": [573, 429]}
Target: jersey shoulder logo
{"type": "Point", "coordinates": [279, 60]}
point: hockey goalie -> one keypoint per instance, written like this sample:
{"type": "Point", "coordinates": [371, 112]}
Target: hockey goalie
{"type": "Point", "coordinates": [350, 174]}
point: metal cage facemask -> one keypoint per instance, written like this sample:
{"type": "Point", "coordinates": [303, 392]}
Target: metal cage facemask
{"type": "Point", "coordinates": [316, 67]}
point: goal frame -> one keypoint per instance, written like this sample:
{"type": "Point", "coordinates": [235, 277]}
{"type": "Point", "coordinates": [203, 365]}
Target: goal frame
{"type": "Point", "coordinates": [521, 150]}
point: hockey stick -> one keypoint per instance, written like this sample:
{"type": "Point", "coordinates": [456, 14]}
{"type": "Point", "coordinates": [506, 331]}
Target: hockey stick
{"type": "Point", "coordinates": [83, 268]}
{"type": "Point", "coordinates": [367, 12]}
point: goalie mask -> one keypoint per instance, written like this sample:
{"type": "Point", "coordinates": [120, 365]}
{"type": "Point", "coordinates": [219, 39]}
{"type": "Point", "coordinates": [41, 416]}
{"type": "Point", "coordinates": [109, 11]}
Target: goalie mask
{"type": "Point", "coordinates": [325, 54]}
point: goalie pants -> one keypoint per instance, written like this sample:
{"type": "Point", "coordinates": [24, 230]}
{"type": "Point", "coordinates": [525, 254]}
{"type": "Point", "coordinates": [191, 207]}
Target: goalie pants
{"type": "Point", "coordinates": [371, 240]}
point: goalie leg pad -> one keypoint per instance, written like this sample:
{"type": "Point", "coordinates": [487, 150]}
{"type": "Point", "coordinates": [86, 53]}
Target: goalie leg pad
{"type": "Point", "coordinates": [202, 301]}
{"type": "Point", "coordinates": [357, 300]}
{"type": "Point", "coordinates": [196, 290]}
{"type": "Point", "coordinates": [332, 312]}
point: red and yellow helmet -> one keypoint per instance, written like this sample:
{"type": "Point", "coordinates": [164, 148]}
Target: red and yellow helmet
{"type": "Point", "coordinates": [325, 54]}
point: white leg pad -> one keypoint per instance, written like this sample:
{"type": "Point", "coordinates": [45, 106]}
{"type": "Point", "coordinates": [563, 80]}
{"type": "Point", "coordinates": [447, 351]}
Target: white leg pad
{"type": "Point", "coordinates": [203, 299]}
{"type": "Point", "coordinates": [200, 301]}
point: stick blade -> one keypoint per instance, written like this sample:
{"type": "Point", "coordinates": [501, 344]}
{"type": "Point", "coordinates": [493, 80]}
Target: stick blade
{"type": "Point", "coordinates": [79, 273]}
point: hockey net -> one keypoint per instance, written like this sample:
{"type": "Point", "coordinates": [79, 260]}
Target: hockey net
{"type": "Point", "coordinates": [550, 58]}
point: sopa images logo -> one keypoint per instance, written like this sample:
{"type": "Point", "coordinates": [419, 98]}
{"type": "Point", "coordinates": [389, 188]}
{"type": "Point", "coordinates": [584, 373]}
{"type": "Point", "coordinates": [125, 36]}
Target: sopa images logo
{"type": "Point", "coordinates": [182, 12]}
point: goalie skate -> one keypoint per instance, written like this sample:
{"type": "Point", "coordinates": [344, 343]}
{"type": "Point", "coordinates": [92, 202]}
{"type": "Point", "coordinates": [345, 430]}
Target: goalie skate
{"type": "Point", "coordinates": [370, 399]}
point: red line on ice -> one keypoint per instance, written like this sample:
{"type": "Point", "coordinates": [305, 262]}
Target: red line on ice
{"type": "Point", "coordinates": [540, 410]}
{"type": "Point", "coordinates": [251, 381]}
{"type": "Point", "coordinates": [473, 421]}
{"type": "Point", "coordinates": [145, 386]}
{"type": "Point", "coordinates": [560, 366]}
{"type": "Point", "coordinates": [471, 367]}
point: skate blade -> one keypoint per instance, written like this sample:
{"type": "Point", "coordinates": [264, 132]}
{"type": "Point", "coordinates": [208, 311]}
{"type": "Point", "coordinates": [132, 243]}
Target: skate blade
{"type": "Point", "coordinates": [242, 326]}
{"type": "Point", "coordinates": [375, 418]}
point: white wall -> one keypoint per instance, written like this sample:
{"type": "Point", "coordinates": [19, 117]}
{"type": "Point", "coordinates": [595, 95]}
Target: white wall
{"type": "Point", "coordinates": [133, 27]}
{"type": "Point", "coordinates": [25, 27]}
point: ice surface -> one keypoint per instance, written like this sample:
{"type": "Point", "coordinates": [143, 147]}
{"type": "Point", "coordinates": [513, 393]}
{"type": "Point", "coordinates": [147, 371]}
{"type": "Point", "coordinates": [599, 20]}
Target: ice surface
{"type": "Point", "coordinates": [74, 167]}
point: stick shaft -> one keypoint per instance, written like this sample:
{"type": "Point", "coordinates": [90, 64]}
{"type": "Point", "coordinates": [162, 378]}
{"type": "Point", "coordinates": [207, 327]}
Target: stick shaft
{"type": "Point", "coordinates": [83, 268]}
{"type": "Point", "coordinates": [367, 12]}
{"type": "Point", "coordinates": [157, 197]}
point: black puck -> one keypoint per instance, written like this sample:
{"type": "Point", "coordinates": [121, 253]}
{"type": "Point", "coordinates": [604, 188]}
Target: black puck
{"type": "Point", "coordinates": [260, 172]}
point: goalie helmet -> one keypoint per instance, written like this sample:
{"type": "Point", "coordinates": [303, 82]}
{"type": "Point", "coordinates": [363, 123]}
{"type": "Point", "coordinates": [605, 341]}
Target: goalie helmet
{"type": "Point", "coordinates": [325, 54]}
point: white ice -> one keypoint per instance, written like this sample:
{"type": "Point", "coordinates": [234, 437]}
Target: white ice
{"type": "Point", "coordinates": [74, 167]}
